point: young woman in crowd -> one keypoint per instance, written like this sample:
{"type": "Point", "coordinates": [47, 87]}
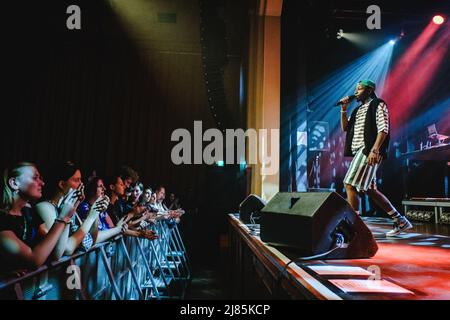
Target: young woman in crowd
{"type": "Point", "coordinates": [95, 190]}
{"type": "Point", "coordinates": [25, 242]}
{"type": "Point", "coordinates": [115, 190]}
{"type": "Point", "coordinates": [64, 177]}
{"type": "Point", "coordinates": [136, 193]}
{"type": "Point", "coordinates": [137, 211]}
{"type": "Point", "coordinates": [146, 196]}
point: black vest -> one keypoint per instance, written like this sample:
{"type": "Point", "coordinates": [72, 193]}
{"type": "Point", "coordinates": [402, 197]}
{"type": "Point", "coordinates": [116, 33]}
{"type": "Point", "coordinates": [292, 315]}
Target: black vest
{"type": "Point", "coordinates": [370, 131]}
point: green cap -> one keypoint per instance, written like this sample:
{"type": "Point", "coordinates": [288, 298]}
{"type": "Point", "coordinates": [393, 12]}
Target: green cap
{"type": "Point", "coordinates": [368, 84]}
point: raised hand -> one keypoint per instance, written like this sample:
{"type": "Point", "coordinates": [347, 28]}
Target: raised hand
{"type": "Point", "coordinates": [148, 234]}
{"type": "Point", "coordinates": [81, 188]}
{"type": "Point", "coordinates": [345, 100]}
{"type": "Point", "coordinates": [138, 210]}
{"type": "Point", "coordinates": [175, 214]}
{"type": "Point", "coordinates": [100, 205]}
{"type": "Point", "coordinates": [122, 225]}
{"type": "Point", "coordinates": [68, 204]}
{"type": "Point", "coordinates": [128, 217]}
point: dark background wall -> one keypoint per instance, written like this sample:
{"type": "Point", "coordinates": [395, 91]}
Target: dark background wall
{"type": "Point", "coordinates": [112, 92]}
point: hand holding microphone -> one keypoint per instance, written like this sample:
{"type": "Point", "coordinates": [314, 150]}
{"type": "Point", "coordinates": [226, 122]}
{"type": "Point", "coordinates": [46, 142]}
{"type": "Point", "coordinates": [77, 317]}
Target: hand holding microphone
{"type": "Point", "coordinates": [346, 100]}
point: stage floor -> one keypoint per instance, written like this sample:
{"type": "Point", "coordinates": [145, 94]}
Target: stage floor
{"type": "Point", "coordinates": [418, 261]}
{"type": "Point", "coordinates": [415, 265]}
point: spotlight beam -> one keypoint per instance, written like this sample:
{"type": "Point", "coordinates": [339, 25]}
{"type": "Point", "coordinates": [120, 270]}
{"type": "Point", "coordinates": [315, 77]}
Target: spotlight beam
{"type": "Point", "coordinates": [404, 93]}
{"type": "Point", "coordinates": [373, 65]}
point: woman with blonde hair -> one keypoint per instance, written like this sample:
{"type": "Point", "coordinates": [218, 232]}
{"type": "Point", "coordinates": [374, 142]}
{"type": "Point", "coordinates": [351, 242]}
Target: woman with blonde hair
{"type": "Point", "coordinates": [25, 241]}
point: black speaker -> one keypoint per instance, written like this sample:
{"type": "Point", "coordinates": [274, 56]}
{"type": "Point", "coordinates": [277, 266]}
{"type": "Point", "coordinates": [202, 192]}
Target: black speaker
{"type": "Point", "coordinates": [311, 222]}
{"type": "Point", "coordinates": [250, 208]}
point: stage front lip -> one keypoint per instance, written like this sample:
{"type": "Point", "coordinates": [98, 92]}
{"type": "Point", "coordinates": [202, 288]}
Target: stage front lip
{"type": "Point", "coordinates": [412, 262]}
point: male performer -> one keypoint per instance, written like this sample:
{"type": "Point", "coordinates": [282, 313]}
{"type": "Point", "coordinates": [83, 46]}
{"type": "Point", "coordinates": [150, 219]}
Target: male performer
{"type": "Point", "coordinates": [367, 141]}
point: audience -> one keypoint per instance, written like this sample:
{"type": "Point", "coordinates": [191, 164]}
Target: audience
{"type": "Point", "coordinates": [73, 217]}
{"type": "Point", "coordinates": [127, 223]}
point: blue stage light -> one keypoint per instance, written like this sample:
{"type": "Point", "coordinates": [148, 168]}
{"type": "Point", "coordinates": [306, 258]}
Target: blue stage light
{"type": "Point", "coordinates": [323, 95]}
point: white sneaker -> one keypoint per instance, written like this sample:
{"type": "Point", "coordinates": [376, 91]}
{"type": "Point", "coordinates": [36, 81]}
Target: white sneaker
{"type": "Point", "coordinates": [400, 225]}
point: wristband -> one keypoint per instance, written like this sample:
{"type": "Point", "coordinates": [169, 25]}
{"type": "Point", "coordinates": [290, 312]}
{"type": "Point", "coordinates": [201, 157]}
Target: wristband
{"type": "Point", "coordinates": [62, 221]}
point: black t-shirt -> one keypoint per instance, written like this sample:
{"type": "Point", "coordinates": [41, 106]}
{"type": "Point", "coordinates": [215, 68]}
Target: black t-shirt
{"type": "Point", "coordinates": [25, 227]}
{"type": "Point", "coordinates": [116, 211]}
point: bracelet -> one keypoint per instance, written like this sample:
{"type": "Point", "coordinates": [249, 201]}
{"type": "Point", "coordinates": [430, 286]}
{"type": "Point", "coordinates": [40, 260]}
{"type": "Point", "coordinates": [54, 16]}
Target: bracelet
{"type": "Point", "coordinates": [62, 221]}
{"type": "Point", "coordinates": [375, 151]}
{"type": "Point", "coordinates": [343, 111]}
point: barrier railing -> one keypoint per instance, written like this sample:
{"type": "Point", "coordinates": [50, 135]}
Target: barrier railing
{"type": "Point", "coordinates": [127, 268]}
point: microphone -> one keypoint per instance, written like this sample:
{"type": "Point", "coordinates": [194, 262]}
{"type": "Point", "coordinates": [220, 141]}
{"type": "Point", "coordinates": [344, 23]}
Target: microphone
{"type": "Point", "coordinates": [350, 99]}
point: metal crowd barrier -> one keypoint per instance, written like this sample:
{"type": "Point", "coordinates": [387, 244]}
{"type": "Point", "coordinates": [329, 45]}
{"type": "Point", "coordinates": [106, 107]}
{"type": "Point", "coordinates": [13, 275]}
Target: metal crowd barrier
{"type": "Point", "coordinates": [124, 268]}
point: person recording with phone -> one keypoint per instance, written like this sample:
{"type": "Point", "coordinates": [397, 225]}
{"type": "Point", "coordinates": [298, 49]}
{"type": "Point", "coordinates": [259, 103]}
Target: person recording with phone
{"type": "Point", "coordinates": [95, 194]}
{"type": "Point", "coordinates": [78, 234]}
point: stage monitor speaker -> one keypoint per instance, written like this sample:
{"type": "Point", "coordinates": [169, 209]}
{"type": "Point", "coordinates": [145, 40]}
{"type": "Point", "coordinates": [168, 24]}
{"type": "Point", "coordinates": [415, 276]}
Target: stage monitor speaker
{"type": "Point", "coordinates": [251, 208]}
{"type": "Point", "coordinates": [311, 222]}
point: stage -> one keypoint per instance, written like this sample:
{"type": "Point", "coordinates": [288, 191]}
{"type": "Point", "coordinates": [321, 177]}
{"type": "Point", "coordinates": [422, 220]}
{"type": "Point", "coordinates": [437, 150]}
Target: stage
{"type": "Point", "coordinates": [417, 262]}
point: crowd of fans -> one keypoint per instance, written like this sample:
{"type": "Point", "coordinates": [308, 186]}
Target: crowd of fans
{"type": "Point", "coordinates": [41, 222]}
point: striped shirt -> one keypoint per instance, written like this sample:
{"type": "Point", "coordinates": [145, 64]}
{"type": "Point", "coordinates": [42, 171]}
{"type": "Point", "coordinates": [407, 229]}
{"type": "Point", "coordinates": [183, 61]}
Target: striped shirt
{"type": "Point", "coordinates": [382, 119]}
